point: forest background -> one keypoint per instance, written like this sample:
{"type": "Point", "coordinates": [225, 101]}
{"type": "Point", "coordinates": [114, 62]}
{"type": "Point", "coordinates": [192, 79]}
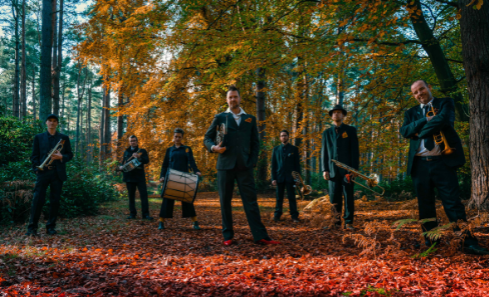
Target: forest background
{"type": "Point", "coordinates": [111, 69]}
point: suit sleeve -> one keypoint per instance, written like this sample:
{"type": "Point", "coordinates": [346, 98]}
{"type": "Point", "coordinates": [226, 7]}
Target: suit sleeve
{"type": "Point", "coordinates": [166, 164]}
{"type": "Point", "coordinates": [355, 151]}
{"type": "Point", "coordinates": [210, 135]}
{"type": "Point", "coordinates": [255, 143]}
{"type": "Point", "coordinates": [274, 165]}
{"type": "Point", "coordinates": [324, 155]}
{"type": "Point", "coordinates": [36, 151]}
{"type": "Point", "coordinates": [410, 128]}
{"type": "Point", "coordinates": [67, 152]}
{"type": "Point", "coordinates": [297, 161]}
{"type": "Point", "coordinates": [144, 157]}
{"type": "Point", "coordinates": [442, 119]}
{"type": "Point", "coordinates": [191, 161]}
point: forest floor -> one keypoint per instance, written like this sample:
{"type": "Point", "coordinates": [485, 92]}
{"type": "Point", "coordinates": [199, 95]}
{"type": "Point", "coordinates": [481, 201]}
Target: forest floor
{"type": "Point", "coordinates": [107, 255]}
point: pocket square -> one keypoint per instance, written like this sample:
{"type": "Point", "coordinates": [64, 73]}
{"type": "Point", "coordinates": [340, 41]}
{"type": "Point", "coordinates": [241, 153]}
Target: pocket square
{"type": "Point", "coordinates": [344, 135]}
{"type": "Point", "coordinates": [248, 120]}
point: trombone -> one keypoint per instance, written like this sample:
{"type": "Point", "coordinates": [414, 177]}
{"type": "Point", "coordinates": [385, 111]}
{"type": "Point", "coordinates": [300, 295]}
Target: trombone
{"type": "Point", "coordinates": [372, 180]}
{"type": "Point", "coordinates": [440, 138]}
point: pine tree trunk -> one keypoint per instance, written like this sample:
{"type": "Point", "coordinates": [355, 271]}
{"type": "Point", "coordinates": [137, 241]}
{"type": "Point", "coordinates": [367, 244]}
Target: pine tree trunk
{"type": "Point", "coordinates": [89, 124]}
{"type": "Point", "coordinates": [474, 26]}
{"type": "Point", "coordinates": [57, 59]}
{"type": "Point", "coordinates": [34, 99]}
{"type": "Point", "coordinates": [16, 101]}
{"type": "Point", "coordinates": [45, 73]}
{"type": "Point", "coordinates": [106, 123]}
{"type": "Point", "coordinates": [261, 117]}
{"type": "Point", "coordinates": [23, 81]}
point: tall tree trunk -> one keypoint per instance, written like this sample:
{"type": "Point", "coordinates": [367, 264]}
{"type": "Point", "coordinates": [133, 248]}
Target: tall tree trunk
{"type": "Point", "coordinates": [80, 90]}
{"type": "Point", "coordinates": [34, 99]}
{"type": "Point", "coordinates": [89, 124]}
{"type": "Point", "coordinates": [101, 132]}
{"type": "Point", "coordinates": [23, 81]}
{"type": "Point", "coordinates": [432, 46]}
{"type": "Point", "coordinates": [106, 123]}
{"type": "Point", "coordinates": [16, 101]}
{"type": "Point", "coordinates": [261, 117]}
{"type": "Point", "coordinates": [45, 73]}
{"type": "Point", "coordinates": [57, 37]}
{"type": "Point", "coordinates": [474, 26]}
{"type": "Point", "coordinates": [63, 105]}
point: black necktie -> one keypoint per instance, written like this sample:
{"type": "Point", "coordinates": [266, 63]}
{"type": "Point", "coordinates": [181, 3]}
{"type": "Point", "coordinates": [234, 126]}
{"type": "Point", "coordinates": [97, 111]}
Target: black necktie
{"type": "Point", "coordinates": [429, 144]}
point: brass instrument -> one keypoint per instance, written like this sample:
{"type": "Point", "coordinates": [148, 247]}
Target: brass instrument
{"type": "Point", "coordinates": [49, 160]}
{"type": "Point", "coordinates": [221, 131]}
{"type": "Point", "coordinates": [372, 180]}
{"type": "Point", "coordinates": [130, 164]}
{"type": "Point", "coordinates": [440, 138]}
{"type": "Point", "coordinates": [305, 189]}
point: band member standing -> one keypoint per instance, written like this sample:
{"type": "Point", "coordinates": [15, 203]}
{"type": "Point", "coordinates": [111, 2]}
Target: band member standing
{"type": "Point", "coordinates": [181, 158]}
{"type": "Point", "coordinates": [285, 159]}
{"type": "Point", "coordinates": [237, 158]}
{"type": "Point", "coordinates": [340, 143]}
{"type": "Point", "coordinates": [53, 175]}
{"type": "Point", "coordinates": [136, 178]}
{"type": "Point", "coordinates": [429, 167]}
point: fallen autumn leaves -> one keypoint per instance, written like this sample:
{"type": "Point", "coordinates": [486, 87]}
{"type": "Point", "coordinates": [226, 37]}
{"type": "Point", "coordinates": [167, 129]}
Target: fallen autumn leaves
{"type": "Point", "coordinates": [109, 256]}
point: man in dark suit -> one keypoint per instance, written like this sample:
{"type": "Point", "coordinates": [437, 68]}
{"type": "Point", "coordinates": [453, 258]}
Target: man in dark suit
{"type": "Point", "coordinates": [136, 178]}
{"type": "Point", "coordinates": [51, 175]}
{"type": "Point", "coordinates": [285, 159]}
{"type": "Point", "coordinates": [238, 156]}
{"type": "Point", "coordinates": [428, 164]}
{"type": "Point", "coordinates": [340, 143]}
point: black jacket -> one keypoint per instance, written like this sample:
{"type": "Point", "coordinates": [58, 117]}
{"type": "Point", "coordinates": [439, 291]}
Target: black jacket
{"type": "Point", "coordinates": [285, 159]}
{"type": "Point", "coordinates": [181, 159]}
{"type": "Point", "coordinates": [342, 147]}
{"type": "Point", "coordinates": [416, 123]}
{"type": "Point", "coordinates": [41, 149]}
{"type": "Point", "coordinates": [137, 174]}
{"type": "Point", "coordinates": [242, 143]}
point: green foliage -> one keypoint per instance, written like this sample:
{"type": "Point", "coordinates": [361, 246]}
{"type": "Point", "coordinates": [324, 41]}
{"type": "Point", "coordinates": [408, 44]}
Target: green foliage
{"type": "Point", "coordinates": [436, 233]}
{"type": "Point", "coordinates": [426, 253]}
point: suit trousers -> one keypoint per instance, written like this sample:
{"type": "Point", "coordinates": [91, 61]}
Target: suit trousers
{"type": "Point", "coordinates": [166, 211]}
{"type": "Point", "coordinates": [280, 193]}
{"type": "Point", "coordinates": [428, 175]}
{"type": "Point", "coordinates": [143, 194]}
{"type": "Point", "coordinates": [340, 190]}
{"type": "Point", "coordinates": [246, 185]}
{"type": "Point", "coordinates": [45, 179]}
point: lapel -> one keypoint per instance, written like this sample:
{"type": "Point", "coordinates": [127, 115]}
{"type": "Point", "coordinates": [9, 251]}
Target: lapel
{"type": "Point", "coordinates": [340, 130]}
{"type": "Point", "coordinates": [231, 121]}
{"type": "Point", "coordinates": [244, 117]}
{"type": "Point", "coordinates": [418, 112]}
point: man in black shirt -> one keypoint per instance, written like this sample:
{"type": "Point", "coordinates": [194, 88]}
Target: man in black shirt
{"type": "Point", "coordinates": [136, 178]}
{"type": "Point", "coordinates": [51, 175]}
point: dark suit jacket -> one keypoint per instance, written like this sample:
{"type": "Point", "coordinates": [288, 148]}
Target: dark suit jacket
{"type": "Point", "coordinates": [177, 162]}
{"type": "Point", "coordinates": [41, 149]}
{"type": "Point", "coordinates": [416, 123]}
{"type": "Point", "coordinates": [242, 143]}
{"type": "Point", "coordinates": [137, 174]}
{"type": "Point", "coordinates": [284, 164]}
{"type": "Point", "coordinates": [342, 147]}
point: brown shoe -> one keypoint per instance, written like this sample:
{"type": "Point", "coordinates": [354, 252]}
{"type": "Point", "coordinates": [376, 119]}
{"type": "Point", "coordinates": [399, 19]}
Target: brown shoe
{"type": "Point", "coordinates": [349, 227]}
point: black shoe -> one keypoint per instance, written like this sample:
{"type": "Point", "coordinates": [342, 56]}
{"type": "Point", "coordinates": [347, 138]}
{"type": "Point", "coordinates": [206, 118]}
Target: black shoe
{"type": "Point", "coordinates": [31, 232]}
{"type": "Point", "coordinates": [476, 249]}
{"type": "Point", "coordinates": [161, 226]}
{"type": "Point", "coordinates": [131, 217]}
{"type": "Point", "coordinates": [276, 219]}
{"type": "Point", "coordinates": [51, 232]}
{"type": "Point", "coordinates": [349, 227]}
{"type": "Point", "coordinates": [296, 220]}
{"type": "Point", "coordinates": [148, 218]}
{"type": "Point", "coordinates": [196, 226]}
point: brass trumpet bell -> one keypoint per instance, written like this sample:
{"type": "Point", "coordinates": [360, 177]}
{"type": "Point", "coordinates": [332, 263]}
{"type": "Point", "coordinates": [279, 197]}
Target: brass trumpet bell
{"type": "Point", "coordinates": [371, 180]}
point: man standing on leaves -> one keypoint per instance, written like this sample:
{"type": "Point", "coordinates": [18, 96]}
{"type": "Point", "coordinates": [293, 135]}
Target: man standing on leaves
{"type": "Point", "coordinates": [237, 158]}
{"type": "Point", "coordinates": [52, 175]}
{"type": "Point", "coordinates": [136, 178]}
{"type": "Point", "coordinates": [285, 159]}
{"type": "Point", "coordinates": [340, 143]}
{"type": "Point", "coordinates": [429, 167]}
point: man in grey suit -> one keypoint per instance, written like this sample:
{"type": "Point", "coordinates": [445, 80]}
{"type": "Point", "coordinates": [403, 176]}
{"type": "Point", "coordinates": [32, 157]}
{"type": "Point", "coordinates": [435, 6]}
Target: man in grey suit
{"type": "Point", "coordinates": [429, 165]}
{"type": "Point", "coordinates": [238, 156]}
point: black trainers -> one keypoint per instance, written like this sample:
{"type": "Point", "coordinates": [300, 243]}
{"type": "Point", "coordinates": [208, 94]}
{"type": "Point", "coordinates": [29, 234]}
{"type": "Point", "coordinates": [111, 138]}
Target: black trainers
{"type": "Point", "coordinates": [161, 226]}
{"type": "Point", "coordinates": [131, 217]}
{"type": "Point", "coordinates": [51, 232]}
{"type": "Point", "coordinates": [296, 220]}
{"type": "Point", "coordinates": [276, 219]}
{"type": "Point", "coordinates": [31, 232]}
{"type": "Point", "coordinates": [148, 218]}
{"type": "Point", "coordinates": [196, 226]}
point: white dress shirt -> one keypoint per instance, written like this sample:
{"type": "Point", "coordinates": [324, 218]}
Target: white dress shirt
{"type": "Point", "coordinates": [237, 117]}
{"type": "Point", "coordinates": [422, 150]}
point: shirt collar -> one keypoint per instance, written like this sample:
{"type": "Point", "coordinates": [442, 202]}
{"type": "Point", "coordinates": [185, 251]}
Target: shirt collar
{"type": "Point", "coordinates": [49, 134]}
{"type": "Point", "coordinates": [429, 103]}
{"type": "Point", "coordinates": [240, 113]}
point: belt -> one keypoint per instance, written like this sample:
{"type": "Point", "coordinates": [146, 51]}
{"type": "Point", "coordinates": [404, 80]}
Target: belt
{"type": "Point", "coordinates": [428, 158]}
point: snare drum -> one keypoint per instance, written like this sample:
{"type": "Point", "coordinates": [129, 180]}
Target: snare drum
{"type": "Point", "coordinates": [131, 165]}
{"type": "Point", "coordinates": [181, 186]}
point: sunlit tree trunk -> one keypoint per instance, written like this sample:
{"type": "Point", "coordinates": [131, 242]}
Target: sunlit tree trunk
{"type": "Point", "coordinates": [261, 117]}
{"type": "Point", "coordinates": [45, 73]}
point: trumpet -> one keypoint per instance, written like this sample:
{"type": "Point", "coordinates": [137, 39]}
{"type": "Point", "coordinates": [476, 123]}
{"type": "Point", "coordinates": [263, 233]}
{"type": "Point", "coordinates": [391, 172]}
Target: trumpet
{"type": "Point", "coordinates": [440, 138]}
{"type": "Point", "coordinates": [372, 180]}
{"type": "Point", "coordinates": [49, 160]}
{"type": "Point", "coordinates": [305, 189]}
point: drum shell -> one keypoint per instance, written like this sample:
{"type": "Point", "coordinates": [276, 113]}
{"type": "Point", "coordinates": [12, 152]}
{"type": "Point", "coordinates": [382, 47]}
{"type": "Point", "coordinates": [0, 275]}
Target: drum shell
{"type": "Point", "coordinates": [181, 186]}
